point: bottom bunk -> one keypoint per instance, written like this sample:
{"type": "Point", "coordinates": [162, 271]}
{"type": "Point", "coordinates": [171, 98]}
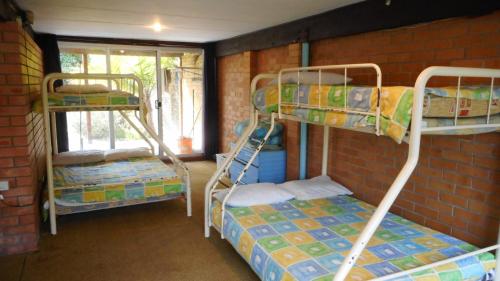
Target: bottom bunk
{"type": "Point", "coordinates": [109, 184]}
{"type": "Point", "coordinates": [308, 240]}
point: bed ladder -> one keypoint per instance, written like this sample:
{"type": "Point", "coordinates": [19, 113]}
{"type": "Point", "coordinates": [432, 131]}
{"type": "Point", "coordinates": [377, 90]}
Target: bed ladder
{"type": "Point", "coordinates": [257, 145]}
{"type": "Point", "coordinates": [245, 141]}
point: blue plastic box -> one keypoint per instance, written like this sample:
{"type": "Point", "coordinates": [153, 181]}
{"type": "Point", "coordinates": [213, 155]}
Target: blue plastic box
{"type": "Point", "coordinates": [269, 166]}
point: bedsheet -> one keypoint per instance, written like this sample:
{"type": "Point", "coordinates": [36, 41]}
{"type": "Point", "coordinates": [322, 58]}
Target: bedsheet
{"type": "Point", "coordinates": [102, 101]}
{"type": "Point", "coordinates": [115, 183]}
{"type": "Point", "coordinates": [395, 102]}
{"type": "Point", "coordinates": [308, 240]}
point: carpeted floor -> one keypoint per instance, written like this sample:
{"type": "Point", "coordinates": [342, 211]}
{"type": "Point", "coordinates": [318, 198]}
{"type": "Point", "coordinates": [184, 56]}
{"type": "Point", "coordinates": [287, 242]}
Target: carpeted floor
{"type": "Point", "coordinates": [147, 242]}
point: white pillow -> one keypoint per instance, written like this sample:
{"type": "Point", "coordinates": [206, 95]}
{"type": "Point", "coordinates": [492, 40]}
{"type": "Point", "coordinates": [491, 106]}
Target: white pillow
{"type": "Point", "coordinates": [82, 89]}
{"type": "Point", "coordinates": [315, 188]}
{"type": "Point", "coordinates": [254, 194]}
{"type": "Point", "coordinates": [125, 153]}
{"type": "Point", "coordinates": [78, 157]}
{"type": "Point", "coordinates": [327, 78]}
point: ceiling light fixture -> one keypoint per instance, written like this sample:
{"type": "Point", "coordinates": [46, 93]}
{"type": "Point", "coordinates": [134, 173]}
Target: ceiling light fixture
{"type": "Point", "coordinates": [122, 51]}
{"type": "Point", "coordinates": [157, 27]}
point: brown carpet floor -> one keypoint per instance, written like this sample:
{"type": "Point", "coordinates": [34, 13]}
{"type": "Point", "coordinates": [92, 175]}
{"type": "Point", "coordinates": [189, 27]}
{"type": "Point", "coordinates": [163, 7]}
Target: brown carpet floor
{"type": "Point", "coordinates": [146, 242]}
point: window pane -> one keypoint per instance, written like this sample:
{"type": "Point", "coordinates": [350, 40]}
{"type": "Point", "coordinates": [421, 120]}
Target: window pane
{"type": "Point", "coordinates": [143, 65]}
{"type": "Point", "coordinates": [127, 137]}
{"type": "Point", "coordinates": [88, 130]}
{"type": "Point", "coordinates": [183, 101]}
{"type": "Point", "coordinates": [71, 62]}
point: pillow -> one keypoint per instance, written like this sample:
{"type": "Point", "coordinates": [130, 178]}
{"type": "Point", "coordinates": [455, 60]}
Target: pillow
{"type": "Point", "coordinates": [327, 78]}
{"type": "Point", "coordinates": [315, 188]}
{"type": "Point", "coordinates": [78, 157]}
{"type": "Point", "coordinates": [254, 194]}
{"type": "Point", "coordinates": [125, 153]}
{"type": "Point", "coordinates": [82, 89]}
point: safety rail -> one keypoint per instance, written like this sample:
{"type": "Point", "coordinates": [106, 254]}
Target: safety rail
{"type": "Point", "coordinates": [51, 129]}
{"type": "Point", "coordinates": [323, 107]}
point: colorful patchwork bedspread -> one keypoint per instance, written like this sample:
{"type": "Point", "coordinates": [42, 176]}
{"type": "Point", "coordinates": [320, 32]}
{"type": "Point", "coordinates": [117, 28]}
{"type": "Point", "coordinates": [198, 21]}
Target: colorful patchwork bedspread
{"type": "Point", "coordinates": [308, 240]}
{"type": "Point", "coordinates": [138, 179]}
{"type": "Point", "coordinates": [395, 102]}
{"type": "Point", "coordinates": [115, 99]}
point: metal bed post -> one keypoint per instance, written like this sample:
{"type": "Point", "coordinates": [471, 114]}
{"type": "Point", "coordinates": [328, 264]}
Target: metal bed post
{"type": "Point", "coordinates": [326, 140]}
{"type": "Point", "coordinates": [53, 124]}
{"type": "Point", "coordinates": [222, 170]}
{"type": "Point", "coordinates": [48, 154]}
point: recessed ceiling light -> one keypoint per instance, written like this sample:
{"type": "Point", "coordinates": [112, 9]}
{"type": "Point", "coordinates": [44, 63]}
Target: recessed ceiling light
{"type": "Point", "coordinates": [157, 27]}
{"type": "Point", "coordinates": [122, 51]}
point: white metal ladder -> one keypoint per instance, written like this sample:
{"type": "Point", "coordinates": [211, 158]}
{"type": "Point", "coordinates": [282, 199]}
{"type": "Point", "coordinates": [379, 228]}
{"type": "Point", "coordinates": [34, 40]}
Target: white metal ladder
{"type": "Point", "coordinates": [221, 176]}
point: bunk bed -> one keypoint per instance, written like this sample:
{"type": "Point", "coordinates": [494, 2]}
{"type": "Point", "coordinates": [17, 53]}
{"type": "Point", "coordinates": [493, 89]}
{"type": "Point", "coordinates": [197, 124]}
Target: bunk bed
{"type": "Point", "coordinates": [343, 238]}
{"type": "Point", "coordinates": [94, 180]}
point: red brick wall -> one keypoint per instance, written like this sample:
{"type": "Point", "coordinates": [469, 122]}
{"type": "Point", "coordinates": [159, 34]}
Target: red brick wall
{"type": "Point", "coordinates": [456, 186]}
{"type": "Point", "coordinates": [234, 76]}
{"type": "Point", "coordinates": [235, 73]}
{"type": "Point", "coordinates": [21, 139]}
{"type": "Point", "coordinates": [271, 61]}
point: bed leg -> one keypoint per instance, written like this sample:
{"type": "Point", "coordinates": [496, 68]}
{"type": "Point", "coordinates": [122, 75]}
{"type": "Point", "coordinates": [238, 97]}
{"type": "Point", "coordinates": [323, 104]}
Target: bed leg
{"type": "Point", "coordinates": [497, 267]}
{"type": "Point", "coordinates": [188, 195]}
{"type": "Point", "coordinates": [207, 231]}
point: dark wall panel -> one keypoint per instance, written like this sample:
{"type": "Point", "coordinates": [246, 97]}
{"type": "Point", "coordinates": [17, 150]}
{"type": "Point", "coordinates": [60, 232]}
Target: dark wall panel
{"type": "Point", "coordinates": [362, 17]}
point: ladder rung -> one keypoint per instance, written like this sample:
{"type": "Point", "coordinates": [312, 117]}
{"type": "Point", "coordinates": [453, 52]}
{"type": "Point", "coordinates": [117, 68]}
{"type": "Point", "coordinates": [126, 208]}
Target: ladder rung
{"type": "Point", "coordinates": [244, 162]}
{"type": "Point", "coordinates": [226, 182]}
{"type": "Point", "coordinates": [223, 184]}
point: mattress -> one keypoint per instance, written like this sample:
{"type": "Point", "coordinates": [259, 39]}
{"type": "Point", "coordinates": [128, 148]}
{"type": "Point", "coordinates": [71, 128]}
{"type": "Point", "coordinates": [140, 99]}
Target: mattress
{"type": "Point", "coordinates": [117, 183]}
{"type": "Point", "coordinates": [308, 240]}
{"type": "Point", "coordinates": [115, 100]}
{"type": "Point", "coordinates": [395, 102]}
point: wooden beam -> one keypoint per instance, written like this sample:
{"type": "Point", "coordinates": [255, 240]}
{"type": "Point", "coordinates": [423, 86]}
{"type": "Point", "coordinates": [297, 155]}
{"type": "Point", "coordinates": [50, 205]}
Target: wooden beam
{"type": "Point", "coordinates": [361, 17]}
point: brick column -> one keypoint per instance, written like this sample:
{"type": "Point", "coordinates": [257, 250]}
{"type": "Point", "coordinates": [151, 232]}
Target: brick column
{"type": "Point", "coordinates": [22, 152]}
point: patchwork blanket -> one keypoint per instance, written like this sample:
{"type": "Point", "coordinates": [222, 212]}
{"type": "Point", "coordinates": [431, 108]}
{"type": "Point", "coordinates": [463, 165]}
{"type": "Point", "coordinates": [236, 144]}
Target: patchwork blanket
{"type": "Point", "coordinates": [132, 179]}
{"type": "Point", "coordinates": [308, 240]}
{"type": "Point", "coordinates": [315, 104]}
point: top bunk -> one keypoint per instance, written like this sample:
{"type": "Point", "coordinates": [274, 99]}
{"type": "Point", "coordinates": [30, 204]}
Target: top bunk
{"type": "Point", "coordinates": [90, 92]}
{"type": "Point", "coordinates": [321, 95]}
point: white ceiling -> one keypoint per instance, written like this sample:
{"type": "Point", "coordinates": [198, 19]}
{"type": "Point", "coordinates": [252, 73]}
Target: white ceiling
{"type": "Point", "coordinates": [184, 20]}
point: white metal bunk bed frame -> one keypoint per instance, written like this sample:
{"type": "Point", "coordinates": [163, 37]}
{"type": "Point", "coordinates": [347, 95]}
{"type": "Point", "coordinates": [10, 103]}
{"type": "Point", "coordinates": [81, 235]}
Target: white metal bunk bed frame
{"type": "Point", "coordinates": [415, 134]}
{"type": "Point", "coordinates": [51, 130]}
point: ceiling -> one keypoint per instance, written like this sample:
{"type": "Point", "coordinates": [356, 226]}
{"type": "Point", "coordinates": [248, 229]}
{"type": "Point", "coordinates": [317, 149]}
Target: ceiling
{"type": "Point", "coordinates": [182, 20]}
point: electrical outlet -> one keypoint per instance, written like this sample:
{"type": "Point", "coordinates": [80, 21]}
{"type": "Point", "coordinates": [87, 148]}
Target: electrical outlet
{"type": "Point", "coordinates": [4, 185]}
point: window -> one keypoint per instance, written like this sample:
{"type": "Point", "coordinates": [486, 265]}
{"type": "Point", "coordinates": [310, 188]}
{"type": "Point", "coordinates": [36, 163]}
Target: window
{"type": "Point", "coordinates": [173, 86]}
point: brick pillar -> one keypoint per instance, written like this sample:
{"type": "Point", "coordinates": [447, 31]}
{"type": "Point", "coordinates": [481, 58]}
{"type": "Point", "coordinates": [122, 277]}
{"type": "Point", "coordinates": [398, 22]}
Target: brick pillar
{"type": "Point", "coordinates": [22, 152]}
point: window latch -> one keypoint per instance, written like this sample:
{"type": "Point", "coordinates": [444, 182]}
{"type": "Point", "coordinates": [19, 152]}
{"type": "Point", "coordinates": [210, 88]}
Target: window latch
{"type": "Point", "coordinates": [157, 104]}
